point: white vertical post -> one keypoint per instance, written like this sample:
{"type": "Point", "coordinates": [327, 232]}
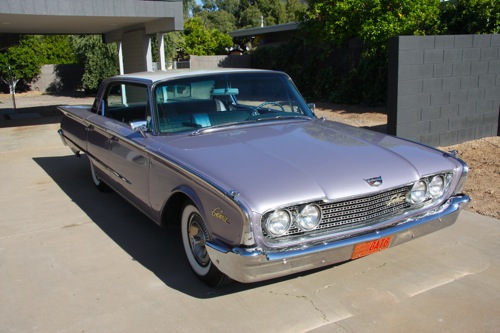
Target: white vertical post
{"type": "Point", "coordinates": [161, 50]}
{"type": "Point", "coordinates": [120, 56]}
{"type": "Point", "coordinates": [148, 56]}
{"type": "Point", "coordinates": [119, 44]}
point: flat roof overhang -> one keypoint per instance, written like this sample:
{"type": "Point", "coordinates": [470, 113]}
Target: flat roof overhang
{"type": "Point", "coordinates": [111, 18]}
{"type": "Point", "coordinates": [265, 30]}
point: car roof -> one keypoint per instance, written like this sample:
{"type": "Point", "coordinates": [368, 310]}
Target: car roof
{"type": "Point", "coordinates": [157, 76]}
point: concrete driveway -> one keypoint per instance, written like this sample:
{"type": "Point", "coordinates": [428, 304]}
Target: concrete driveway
{"type": "Point", "coordinates": [73, 259]}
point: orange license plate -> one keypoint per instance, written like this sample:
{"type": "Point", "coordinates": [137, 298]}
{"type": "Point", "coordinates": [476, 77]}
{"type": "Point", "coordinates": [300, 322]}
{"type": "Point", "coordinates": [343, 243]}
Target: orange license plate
{"type": "Point", "coordinates": [364, 249]}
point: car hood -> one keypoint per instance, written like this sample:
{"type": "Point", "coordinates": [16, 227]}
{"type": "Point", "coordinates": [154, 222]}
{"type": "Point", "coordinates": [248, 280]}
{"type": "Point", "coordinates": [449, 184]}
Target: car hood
{"type": "Point", "coordinates": [278, 164]}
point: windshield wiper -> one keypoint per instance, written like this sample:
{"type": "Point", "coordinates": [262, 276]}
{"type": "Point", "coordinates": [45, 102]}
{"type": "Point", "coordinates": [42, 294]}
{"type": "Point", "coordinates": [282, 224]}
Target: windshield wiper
{"type": "Point", "coordinates": [249, 121]}
{"type": "Point", "coordinates": [215, 127]}
{"type": "Point", "coordinates": [281, 117]}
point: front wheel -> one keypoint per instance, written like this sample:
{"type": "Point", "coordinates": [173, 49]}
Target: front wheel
{"type": "Point", "coordinates": [194, 238]}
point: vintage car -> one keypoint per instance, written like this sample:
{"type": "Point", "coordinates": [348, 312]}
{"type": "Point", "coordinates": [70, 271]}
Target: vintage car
{"type": "Point", "coordinates": [258, 185]}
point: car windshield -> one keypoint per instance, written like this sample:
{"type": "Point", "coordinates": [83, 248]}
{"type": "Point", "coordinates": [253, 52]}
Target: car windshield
{"type": "Point", "coordinates": [215, 101]}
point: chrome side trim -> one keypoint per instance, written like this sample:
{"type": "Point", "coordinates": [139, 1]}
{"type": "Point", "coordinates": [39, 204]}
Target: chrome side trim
{"type": "Point", "coordinates": [190, 173]}
{"type": "Point", "coordinates": [254, 264]}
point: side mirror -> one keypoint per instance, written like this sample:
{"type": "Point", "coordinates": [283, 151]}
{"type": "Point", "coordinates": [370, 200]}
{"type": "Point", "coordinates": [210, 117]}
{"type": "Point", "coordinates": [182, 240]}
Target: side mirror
{"type": "Point", "coordinates": [139, 126]}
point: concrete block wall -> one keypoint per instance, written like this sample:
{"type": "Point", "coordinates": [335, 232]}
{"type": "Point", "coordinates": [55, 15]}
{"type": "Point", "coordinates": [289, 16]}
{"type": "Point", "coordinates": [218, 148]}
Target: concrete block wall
{"type": "Point", "coordinates": [444, 90]}
{"type": "Point", "coordinates": [234, 61]}
{"type": "Point", "coordinates": [57, 78]}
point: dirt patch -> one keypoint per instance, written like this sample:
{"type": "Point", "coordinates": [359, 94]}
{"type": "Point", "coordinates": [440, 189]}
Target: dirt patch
{"type": "Point", "coordinates": [482, 156]}
{"type": "Point", "coordinates": [483, 184]}
{"type": "Point", "coordinates": [42, 103]}
{"type": "Point", "coordinates": [373, 118]}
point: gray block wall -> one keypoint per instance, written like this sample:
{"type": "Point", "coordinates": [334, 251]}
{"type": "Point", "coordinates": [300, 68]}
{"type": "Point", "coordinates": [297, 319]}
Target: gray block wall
{"type": "Point", "coordinates": [444, 90]}
{"type": "Point", "coordinates": [233, 61]}
{"type": "Point", "coordinates": [58, 78]}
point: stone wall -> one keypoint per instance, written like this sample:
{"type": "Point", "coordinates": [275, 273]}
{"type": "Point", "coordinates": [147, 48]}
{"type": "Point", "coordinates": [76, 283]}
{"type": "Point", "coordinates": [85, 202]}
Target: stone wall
{"type": "Point", "coordinates": [58, 78]}
{"type": "Point", "coordinates": [234, 61]}
{"type": "Point", "coordinates": [444, 89]}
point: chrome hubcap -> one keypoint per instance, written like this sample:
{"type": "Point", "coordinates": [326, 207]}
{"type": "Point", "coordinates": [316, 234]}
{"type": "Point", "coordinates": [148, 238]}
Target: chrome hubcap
{"type": "Point", "coordinates": [197, 239]}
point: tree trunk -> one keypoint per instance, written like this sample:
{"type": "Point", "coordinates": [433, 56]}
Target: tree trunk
{"type": "Point", "coordinates": [12, 87]}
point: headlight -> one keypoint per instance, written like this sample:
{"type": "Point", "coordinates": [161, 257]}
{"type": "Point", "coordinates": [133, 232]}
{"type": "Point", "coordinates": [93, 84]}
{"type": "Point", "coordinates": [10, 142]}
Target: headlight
{"type": "Point", "coordinates": [418, 192]}
{"type": "Point", "coordinates": [309, 217]}
{"type": "Point", "coordinates": [278, 222]}
{"type": "Point", "coordinates": [436, 186]}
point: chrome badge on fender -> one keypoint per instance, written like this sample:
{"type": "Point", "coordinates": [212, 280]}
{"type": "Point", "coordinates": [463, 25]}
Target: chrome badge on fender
{"type": "Point", "coordinates": [219, 214]}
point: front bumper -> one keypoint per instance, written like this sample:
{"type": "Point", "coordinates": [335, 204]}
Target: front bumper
{"type": "Point", "coordinates": [252, 265]}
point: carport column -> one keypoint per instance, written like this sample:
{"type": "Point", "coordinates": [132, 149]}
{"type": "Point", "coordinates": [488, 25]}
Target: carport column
{"type": "Point", "coordinates": [120, 62]}
{"type": "Point", "coordinates": [161, 50]}
{"type": "Point", "coordinates": [137, 56]}
{"type": "Point", "coordinates": [120, 56]}
{"type": "Point", "coordinates": [148, 56]}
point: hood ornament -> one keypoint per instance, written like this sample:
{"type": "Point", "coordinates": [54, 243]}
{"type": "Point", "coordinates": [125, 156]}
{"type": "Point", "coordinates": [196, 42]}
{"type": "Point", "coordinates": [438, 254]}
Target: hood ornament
{"type": "Point", "coordinates": [374, 182]}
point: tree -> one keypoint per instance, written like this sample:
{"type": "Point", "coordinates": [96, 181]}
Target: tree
{"type": "Point", "coordinates": [295, 10]}
{"type": "Point", "coordinates": [230, 6]}
{"type": "Point", "coordinates": [99, 60]}
{"type": "Point", "coordinates": [274, 11]}
{"type": "Point", "coordinates": [190, 7]}
{"type": "Point", "coordinates": [250, 18]}
{"type": "Point", "coordinates": [220, 19]}
{"type": "Point", "coordinates": [21, 62]}
{"type": "Point", "coordinates": [371, 21]}
{"type": "Point", "coordinates": [248, 13]}
{"type": "Point", "coordinates": [173, 41]}
{"type": "Point", "coordinates": [57, 49]}
{"type": "Point", "coordinates": [471, 17]}
{"type": "Point", "coordinates": [200, 40]}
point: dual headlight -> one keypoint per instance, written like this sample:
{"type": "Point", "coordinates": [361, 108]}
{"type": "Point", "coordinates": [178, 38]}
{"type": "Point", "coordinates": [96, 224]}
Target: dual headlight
{"type": "Point", "coordinates": [279, 222]}
{"type": "Point", "coordinates": [429, 188]}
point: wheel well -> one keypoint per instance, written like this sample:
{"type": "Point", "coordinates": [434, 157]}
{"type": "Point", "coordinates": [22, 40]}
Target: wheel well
{"type": "Point", "coordinates": [171, 215]}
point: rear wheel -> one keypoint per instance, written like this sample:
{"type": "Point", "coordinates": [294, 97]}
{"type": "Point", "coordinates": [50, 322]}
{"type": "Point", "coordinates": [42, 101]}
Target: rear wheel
{"type": "Point", "coordinates": [101, 186]}
{"type": "Point", "coordinates": [194, 238]}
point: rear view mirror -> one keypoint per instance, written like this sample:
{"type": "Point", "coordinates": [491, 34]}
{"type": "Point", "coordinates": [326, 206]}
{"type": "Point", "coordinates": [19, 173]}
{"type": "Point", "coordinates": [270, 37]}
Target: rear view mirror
{"type": "Point", "coordinates": [225, 91]}
{"type": "Point", "coordinates": [311, 106]}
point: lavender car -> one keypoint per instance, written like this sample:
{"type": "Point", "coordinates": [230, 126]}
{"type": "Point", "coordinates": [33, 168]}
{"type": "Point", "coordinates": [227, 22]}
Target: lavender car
{"type": "Point", "coordinates": [259, 186]}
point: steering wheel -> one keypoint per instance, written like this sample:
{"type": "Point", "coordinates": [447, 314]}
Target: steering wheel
{"type": "Point", "coordinates": [256, 110]}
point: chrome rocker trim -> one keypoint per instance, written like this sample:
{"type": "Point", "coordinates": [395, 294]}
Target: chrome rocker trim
{"type": "Point", "coordinates": [252, 265]}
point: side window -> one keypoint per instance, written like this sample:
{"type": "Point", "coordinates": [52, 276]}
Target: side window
{"type": "Point", "coordinates": [126, 102]}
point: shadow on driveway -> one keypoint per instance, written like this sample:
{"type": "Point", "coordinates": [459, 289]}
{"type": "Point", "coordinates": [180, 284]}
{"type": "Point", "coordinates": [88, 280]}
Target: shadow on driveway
{"type": "Point", "coordinates": [159, 250]}
{"type": "Point", "coordinates": [31, 116]}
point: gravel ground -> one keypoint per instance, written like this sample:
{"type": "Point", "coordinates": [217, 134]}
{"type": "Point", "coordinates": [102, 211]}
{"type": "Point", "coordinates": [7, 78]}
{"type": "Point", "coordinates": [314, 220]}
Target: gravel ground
{"type": "Point", "coordinates": [482, 156]}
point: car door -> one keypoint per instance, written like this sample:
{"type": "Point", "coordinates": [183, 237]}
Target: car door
{"type": "Point", "coordinates": [98, 144]}
{"type": "Point", "coordinates": [99, 138]}
{"type": "Point", "coordinates": [129, 161]}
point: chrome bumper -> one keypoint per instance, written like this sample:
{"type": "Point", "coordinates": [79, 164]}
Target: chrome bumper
{"type": "Point", "coordinates": [252, 265]}
{"type": "Point", "coordinates": [61, 136]}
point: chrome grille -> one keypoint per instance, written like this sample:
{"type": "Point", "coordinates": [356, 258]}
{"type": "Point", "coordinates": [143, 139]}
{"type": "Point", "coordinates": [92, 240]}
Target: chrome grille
{"type": "Point", "coordinates": [357, 212]}
{"type": "Point", "coordinates": [363, 210]}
